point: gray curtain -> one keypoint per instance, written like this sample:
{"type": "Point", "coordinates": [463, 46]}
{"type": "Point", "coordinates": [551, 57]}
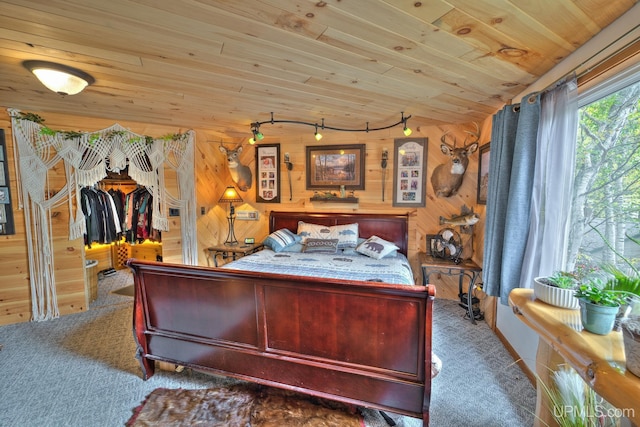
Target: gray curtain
{"type": "Point", "coordinates": [511, 171]}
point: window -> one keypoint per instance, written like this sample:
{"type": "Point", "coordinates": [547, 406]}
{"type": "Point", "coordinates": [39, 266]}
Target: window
{"type": "Point", "coordinates": [605, 218]}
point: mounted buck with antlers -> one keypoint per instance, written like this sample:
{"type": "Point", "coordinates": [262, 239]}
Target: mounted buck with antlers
{"type": "Point", "coordinates": [240, 174]}
{"type": "Point", "coordinates": [447, 177]}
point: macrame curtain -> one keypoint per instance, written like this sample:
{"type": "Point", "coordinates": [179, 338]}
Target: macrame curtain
{"type": "Point", "coordinates": [86, 157]}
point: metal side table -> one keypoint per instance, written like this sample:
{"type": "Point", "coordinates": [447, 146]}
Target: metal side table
{"type": "Point", "coordinates": [467, 268]}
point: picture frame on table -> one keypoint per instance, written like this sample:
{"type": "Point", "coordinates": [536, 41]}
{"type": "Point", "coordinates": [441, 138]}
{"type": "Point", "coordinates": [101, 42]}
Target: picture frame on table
{"type": "Point", "coordinates": [483, 173]}
{"type": "Point", "coordinates": [268, 173]}
{"type": "Point", "coordinates": [334, 166]}
{"type": "Point", "coordinates": [410, 172]}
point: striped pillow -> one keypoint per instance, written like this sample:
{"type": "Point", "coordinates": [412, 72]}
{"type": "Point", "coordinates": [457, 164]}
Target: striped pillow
{"type": "Point", "coordinates": [280, 239]}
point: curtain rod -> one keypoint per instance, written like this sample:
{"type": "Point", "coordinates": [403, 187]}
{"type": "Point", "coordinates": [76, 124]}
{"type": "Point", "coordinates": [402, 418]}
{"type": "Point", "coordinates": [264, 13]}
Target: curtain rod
{"type": "Point", "coordinates": [629, 46]}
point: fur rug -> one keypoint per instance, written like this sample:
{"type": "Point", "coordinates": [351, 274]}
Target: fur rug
{"type": "Point", "coordinates": [241, 405]}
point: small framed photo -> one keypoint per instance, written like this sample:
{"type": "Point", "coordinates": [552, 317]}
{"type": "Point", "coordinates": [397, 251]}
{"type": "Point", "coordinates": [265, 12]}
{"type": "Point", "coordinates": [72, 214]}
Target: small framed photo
{"type": "Point", "coordinates": [432, 241]}
{"type": "Point", "coordinates": [6, 209]}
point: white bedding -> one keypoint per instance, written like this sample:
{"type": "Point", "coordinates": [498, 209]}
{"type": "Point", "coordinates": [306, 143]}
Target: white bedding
{"type": "Point", "coordinates": [338, 266]}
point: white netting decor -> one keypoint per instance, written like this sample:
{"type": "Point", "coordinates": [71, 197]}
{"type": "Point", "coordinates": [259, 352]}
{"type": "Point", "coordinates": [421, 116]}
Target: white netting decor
{"type": "Point", "coordinates": [86, 157]}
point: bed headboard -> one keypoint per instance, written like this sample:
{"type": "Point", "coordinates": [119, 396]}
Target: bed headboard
{"type": "Point", "coordinates": [391, 227]}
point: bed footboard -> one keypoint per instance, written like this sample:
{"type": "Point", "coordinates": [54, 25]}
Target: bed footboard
{"type": "Point", "coordinates": [362, 343]}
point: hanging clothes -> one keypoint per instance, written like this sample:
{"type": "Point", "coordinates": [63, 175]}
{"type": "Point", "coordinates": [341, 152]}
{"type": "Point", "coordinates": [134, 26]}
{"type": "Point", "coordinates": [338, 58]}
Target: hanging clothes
{"type": "Point", "coordinates": [138, 222]}
{"type": "Point", "coordinates": [101, 216]}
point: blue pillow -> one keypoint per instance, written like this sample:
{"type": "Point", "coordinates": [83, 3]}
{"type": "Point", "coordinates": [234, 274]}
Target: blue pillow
{"type": "Point", "coordinates": [281, 239]}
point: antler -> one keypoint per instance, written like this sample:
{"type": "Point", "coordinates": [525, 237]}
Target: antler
{"type": "Point", "coordinates": [443, 138]}
{"type": "Point", "coordinates": [476, 134]}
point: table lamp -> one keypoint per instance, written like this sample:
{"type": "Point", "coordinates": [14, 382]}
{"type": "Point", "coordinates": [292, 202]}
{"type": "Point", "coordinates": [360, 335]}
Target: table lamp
{"type": "Point", "coordinates": [231, 196]}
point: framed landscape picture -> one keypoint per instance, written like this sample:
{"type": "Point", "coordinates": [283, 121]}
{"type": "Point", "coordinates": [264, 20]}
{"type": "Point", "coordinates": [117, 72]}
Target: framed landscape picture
{"type": "Point", "coordinates": [333, 166]}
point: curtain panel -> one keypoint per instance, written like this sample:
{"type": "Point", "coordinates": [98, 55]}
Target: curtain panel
{"type": "Point", "coordinates": [513, 143]}
{"type": "Point", "coordinates": [530, 183]}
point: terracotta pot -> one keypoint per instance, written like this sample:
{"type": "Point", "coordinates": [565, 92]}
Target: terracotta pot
{"type": "Point", "coordinates": [555, 296]}
{"type": "Point", "coordinates": [631, 336]}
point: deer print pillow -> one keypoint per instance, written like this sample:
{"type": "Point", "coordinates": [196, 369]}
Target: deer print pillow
{"type": "Point", "coordinates": [375, 247]}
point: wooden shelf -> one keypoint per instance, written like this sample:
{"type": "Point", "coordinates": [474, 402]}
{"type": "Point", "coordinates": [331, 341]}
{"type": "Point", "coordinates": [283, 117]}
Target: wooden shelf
{"type": "Point", "coordinates": [335, 199]}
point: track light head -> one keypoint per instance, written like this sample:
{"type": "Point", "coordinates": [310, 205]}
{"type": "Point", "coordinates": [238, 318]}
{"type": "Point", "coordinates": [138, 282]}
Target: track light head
{"type": "Point", "coordinates": [317, 135]}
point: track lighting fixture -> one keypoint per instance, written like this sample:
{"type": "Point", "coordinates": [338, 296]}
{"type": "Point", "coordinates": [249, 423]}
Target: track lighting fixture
{"type": "Point", "coordinates": [257, 135]}
{"type": "Point", "coordinates": [59, 78]}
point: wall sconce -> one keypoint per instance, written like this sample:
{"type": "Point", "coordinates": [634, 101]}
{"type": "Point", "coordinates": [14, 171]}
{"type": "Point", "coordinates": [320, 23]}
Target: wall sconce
{"type": "Point", "coordinates": [231, 196]}
{"type": "Point", "coordinates": [287, 162]}
{"type": "Point", "coordinates": [383, 165]}
{"type": "Point", "coordinates": [255, 127]}
{"type": "Point", "coordinates": [59, 78]}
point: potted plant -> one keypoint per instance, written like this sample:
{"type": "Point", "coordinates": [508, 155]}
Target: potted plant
{"type": "Point", "coordinates": [631, 338]}
{"type": "Point", "coordinates": [628, 285]}
{"type": "Point", "coordinates": [557, 289]}
{"type": "Point", "coordinates": [573, 403]}
{"type": "Point", "coordinates": [598, 306]}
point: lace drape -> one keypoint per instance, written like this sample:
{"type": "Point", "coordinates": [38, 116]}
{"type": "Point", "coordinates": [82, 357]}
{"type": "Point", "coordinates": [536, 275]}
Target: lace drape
{"type": "Point", "coordinates": [86, 157]}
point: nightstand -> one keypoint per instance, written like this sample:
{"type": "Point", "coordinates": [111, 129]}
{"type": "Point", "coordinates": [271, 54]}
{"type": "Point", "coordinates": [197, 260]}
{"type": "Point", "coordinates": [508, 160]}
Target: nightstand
{"type": "Point", "coordinates": [231, 251]}
{"type": "Point", "coordinates": [466, 268]}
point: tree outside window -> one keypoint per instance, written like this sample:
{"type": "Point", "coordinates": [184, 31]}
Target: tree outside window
{"type": "Point", "coordinates": [606, 199]}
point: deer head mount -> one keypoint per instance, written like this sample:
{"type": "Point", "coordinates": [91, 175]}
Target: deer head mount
{"type": "Point", "coordinates": [240, 174]}
{"type": "Point", "coordinates": [447, 177]}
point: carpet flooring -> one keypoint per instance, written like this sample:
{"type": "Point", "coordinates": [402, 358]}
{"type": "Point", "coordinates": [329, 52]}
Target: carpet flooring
{"type": "Point", "coordinates": [80, 370]}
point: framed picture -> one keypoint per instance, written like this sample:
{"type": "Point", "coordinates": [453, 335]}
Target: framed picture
{"type": "Point", "coordinates": [483, 174]}
{"type": "Point", "coordinates": [6, 211]}
{"type": "Point", "coordinates": [410, 177]}
{"type": "Point", "coordinates": [268, 173]}
{"type": "Point", "coordinates": [335, 165]}
{"type": "Point", "coordinates": [432, 244]}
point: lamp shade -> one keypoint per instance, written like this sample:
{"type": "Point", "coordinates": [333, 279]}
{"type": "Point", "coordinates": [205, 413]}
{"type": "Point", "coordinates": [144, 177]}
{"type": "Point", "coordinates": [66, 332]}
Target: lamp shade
{"type": "Point", "coordinates": [59, 78]}
{"type": "Point", "coordinates": [230, 195]}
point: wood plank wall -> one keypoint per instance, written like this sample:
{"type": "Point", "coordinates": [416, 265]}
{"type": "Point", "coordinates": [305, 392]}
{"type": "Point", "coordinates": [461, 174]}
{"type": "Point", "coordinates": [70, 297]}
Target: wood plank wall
{"type": "Point", "coordinates": [212, 177]}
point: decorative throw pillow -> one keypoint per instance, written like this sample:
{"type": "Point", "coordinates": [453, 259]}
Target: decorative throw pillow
{"type": "Point", "coordinates": [347, 234]}
{"type": "Point", "coordinates": [325, 246]}
{"type": "Point", "coordinates": [280, 239]}
{"type": "Point", "coordinates": [296, 247]}
{"type": "Point", "coordinates": [313, 231]}
{"type": "Point", "coordinates": [375, 247]}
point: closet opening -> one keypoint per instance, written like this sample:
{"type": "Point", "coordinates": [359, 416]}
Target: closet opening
{"type": "Point", "coordinates": [118, 215]}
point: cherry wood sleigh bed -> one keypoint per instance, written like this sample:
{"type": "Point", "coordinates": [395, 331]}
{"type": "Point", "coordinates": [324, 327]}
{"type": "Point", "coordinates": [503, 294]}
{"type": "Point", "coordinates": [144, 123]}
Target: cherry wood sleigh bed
{"type": "Point", "coordinates": [361, 343]}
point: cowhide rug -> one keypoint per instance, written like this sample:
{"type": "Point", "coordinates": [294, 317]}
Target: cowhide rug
{"type": "Point", "coordinates": [241, 405]}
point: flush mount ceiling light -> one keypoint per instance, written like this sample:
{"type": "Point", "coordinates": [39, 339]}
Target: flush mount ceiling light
{"type": "Point", "coordinates": [59, 78]}
{"type": "Point", "coordinates": [257, 135]}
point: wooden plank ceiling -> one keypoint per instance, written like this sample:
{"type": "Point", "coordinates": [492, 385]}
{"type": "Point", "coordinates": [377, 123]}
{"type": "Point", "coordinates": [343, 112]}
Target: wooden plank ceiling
{"type": "Point", "coordinates": [220, 65]}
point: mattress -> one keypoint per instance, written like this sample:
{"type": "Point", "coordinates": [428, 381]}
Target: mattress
{"type": "Point", "coordinates": [395, 270]}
